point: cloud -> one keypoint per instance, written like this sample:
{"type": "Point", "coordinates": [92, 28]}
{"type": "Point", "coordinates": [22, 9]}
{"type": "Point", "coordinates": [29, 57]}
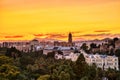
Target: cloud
{"type": "Point", "coordinates": [38, 35]}
{"type": "Point", "coordinates": [102, 31]}
{"type": "Point", "coordinates": [57, 36]}
{"type": "Point", "coordinates": [76, 32]}
{"type": "Point", "coordinates": [16, 36]}
{"type": "Point", "coordinates": [115, 35]}
{"type": "Point", "coordinates": [94, 35]}
{"type": "Point", "coordinates": [51, 35]}
{"type": "Point", "coordinates": [100, 36]}
{"type": "Point", "coordinates": [78, 38]}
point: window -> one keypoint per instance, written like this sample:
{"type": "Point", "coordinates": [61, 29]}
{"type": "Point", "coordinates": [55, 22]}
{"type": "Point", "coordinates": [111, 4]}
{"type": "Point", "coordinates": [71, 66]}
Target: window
{"type": "Point", "coordinates": [115, 59]}
{"type": "Point", "coordinates": [109, 63]}
{"type": "Point", "coordinates": [115, 63]}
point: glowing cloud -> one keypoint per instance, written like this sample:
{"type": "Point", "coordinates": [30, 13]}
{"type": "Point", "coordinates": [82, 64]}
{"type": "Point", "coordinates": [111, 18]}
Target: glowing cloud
{"type": "Point", "coordinates": [102, 31]}
{"type": "Point", "coordinates": [17, 36]}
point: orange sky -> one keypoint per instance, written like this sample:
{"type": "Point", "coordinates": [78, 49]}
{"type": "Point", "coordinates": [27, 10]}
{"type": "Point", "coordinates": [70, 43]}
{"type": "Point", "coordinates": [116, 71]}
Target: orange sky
{"type": "Point", "coordinates": [86, 19]}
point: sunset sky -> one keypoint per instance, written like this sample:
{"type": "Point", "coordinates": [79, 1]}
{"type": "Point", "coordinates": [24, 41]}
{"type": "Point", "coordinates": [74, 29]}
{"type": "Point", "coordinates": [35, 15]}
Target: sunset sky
{"type": "Point", "coordinates": [54, 19]}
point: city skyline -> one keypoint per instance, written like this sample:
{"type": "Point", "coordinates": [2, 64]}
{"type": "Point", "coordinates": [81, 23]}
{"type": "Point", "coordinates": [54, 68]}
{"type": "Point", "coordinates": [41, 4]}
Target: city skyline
{"type": "Point", "coordinates": [54, 19]}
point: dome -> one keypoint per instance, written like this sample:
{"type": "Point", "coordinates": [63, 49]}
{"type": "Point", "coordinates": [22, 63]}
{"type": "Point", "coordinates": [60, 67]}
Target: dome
{"type": "Point", "coordinates": [35, 40]}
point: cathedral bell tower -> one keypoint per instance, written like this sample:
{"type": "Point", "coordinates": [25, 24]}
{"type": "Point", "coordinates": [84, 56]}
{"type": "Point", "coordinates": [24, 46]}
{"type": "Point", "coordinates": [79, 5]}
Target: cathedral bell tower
{"type": "Point", "coordinates": [70, 38]}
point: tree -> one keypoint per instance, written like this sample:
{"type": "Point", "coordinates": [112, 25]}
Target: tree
{"type": "Point", "coordinates": [5, 60]}
{"type": "Point", "coordinates": [60, 52]}
{"type": "Point", "coordinates": [62, 72]}
{"type": "Point", "coordinates": [111, 43]}
{"type": "Point", "coordinates": [44, 77]}
{"type": "Point", "coordinates": [25, 60]}
{"type": "Point", "coordinates": [99, 74]}
{"type": "Point", "coordinates": [84, 78]}
{"type": "Point", "coordinates": [64, 76]}
{"type": "Point", "coordinates": [92, 72]}
{"type": "Point", "coordinates": [115, 39]}
{"type": "Point", "coordinates": [80, 67]}
{"type": "Point", "coordinates": [13, 52]}
{"type": "Point", "coordinates": [111, 74]}
{"type": "Point", "coordinates": [84, 47]}
{"type": "Point", "coordinates": [7, 69]}
{"type": "Point", "coordinates": [117, 52]}
{"type": "Point", "coordinates": [93, 45]}
{"type": "Point", "coordinates": [81, 59]}
{"type": "Point", "coordinates": [51, 54]}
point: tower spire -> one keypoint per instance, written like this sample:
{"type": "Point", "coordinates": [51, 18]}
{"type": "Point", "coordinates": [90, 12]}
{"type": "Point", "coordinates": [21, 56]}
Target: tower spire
{"type": "Point", "coordinates": [70, 37]}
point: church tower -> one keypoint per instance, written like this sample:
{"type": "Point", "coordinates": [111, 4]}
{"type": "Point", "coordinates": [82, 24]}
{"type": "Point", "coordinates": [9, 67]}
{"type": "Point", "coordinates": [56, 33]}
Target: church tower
{"type": "Point", "coordinates": [70, 38]}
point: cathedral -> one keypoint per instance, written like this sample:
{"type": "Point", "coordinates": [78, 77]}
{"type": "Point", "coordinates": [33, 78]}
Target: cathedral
{"type": "Point", "coordinates": [65, 44]}
{"type": "Point", "coordinates": [70, 38]}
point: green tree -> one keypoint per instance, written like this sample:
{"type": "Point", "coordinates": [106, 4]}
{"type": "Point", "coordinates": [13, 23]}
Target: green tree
{"type": "Point", "coordinates": [80, 67]}
{"type": "Point", "coordinates": [13, 52]}
{"type": "Point", "coordinates": [84, 47]}
{"type": "Point", "coordinates": [111, 74]}
{"type": "Point", "coordinates": [84, 78]}
{"type": "Point", "coordinates": [5, 60]}
{"type": "Point", "coordinates": [117, 52]}
{"type": "Point", "coordinates": [44, 77]}
{"type": "Point", "coordinates": [26, 60]}
{"type": "Point", "coordinates": [99, 74]}
{"type": "Point", "coordinates": [92, 72]}
{"type": "Point", "coordinates": [62, 72]}
{"type": "Point", "coordinates": [93, 45]}
{"type": "Point", "coordinates": [115, 39]}
{"type": "Point", "coordinates": [51, 54]}
{"type": "Point", "coordinates": [7, 69]}
{"type": "Point", "coordinates": [64, 76]}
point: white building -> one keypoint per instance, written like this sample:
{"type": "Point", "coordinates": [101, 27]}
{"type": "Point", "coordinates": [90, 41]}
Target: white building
{"type": "Point", "coordinates": [58, 56]}
{"type": "Point", "coordinates": [102, 61]}
{"type": "Point", "coordinates": [70, 56]}
{"type": "Point", "coordinates": [24, 48]}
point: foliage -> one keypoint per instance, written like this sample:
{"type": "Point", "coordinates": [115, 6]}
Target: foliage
{"type": "Point", "coordinates": [117, 52]}
{"type": "Point", "coordinates": [37, 66]}
{"type": "Point", "coordinates": [13, 52]}
{"type": "Point", "coordinates": [93, 45]}
{"type": "Point", "coordinates": [62, 72]}
{"type": "Point", "coordinates": [84, 47]}
{"type": "Point", "coordinates": [80, 67]}
{"type": "Point", "coordinates": [44, 77]}
{"type": "Point", "coordinates": [5, 60]}
{"type": "Point", "coordinates": [8, 71]}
